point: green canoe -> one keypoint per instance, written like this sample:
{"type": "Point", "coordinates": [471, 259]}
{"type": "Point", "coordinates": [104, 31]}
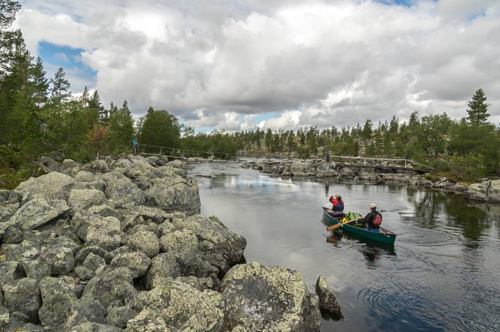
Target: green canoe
{"type": "Point", "coordinates": [384, 236]}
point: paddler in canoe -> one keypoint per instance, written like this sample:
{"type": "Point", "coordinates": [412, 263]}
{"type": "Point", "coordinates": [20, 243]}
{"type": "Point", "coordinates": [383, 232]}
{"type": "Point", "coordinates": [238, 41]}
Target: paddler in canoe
{"type": "Point", "coordinates": [373, 219]}
{"type": "Point", "coordinates": [338, 206]}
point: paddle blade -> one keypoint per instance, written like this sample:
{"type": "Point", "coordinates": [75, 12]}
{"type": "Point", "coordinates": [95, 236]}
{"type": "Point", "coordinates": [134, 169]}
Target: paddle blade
{"type": "Point", "coordinates": [333, 227]}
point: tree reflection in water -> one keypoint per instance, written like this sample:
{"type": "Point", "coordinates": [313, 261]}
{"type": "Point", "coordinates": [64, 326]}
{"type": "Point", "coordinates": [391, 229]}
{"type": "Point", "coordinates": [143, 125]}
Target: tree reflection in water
{"type": "Point", "coordinates": [460, 215]}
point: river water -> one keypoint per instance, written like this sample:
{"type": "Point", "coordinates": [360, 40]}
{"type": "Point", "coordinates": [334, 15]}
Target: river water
{"type": "Point", "coordinates": [442, 274]}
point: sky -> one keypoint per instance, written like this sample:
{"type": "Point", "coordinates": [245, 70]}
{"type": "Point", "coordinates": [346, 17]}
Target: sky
{"type": "Point", "coordinates": [280, 64]}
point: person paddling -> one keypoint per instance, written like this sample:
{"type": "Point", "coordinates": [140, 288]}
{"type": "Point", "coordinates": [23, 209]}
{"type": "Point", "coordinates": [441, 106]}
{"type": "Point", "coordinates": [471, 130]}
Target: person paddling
{"type": "Point", "coordinates": [338, 206]}
{"type": "Point", "coordinates": [373, 219]}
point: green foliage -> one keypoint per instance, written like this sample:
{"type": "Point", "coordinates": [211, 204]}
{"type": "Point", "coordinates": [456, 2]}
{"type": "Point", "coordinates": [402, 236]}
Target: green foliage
{"type": "Point", "coordinates": [432, 135]}
{"type": "Point", "coordinates": [60, 87]}
{"type": "Point", "coordinates": [10, 156]}
{"type": "Point", "coordinates": [476, 139]}
{"type": "Point", "coordinates": [469, 167]}
{"type": "Point", "coordinates": [303, 152]}
{"type": "Point", "coordinates": [13, 169]}
{"type": "Point", "coordinates": [367, 129]}
{"type": "Point", "coordinates": [478, 109]}
{"type": "Point", "coordinates": [36, 125]}
{"type": "Point", "coordinates": [40, 84]}
{"type": "Point", "coordinates": [160, 129]}
{"type": "Point", "coordinates": [8, 10]}
{"type": "Point", "coordinates": [121, 130]}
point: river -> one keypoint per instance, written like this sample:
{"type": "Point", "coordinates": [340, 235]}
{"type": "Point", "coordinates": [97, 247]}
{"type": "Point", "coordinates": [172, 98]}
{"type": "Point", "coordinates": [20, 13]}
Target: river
{"type": "Point", "coordinates": [442, 274]}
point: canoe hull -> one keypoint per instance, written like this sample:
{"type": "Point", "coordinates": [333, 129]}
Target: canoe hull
{"type": "Point", "coordinates": [384, 236]}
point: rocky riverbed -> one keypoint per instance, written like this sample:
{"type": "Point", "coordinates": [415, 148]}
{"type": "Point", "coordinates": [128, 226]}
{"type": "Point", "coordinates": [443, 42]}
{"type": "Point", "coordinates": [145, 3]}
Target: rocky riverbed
{"type": "Point", "coordinates": [487, 190]}
{"type": "Point", "coordinates": [119, 245]}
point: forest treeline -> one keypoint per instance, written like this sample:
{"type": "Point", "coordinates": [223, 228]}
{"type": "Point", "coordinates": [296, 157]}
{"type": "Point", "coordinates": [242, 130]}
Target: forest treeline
{"type": "Point", "coordinates": [40, 116]}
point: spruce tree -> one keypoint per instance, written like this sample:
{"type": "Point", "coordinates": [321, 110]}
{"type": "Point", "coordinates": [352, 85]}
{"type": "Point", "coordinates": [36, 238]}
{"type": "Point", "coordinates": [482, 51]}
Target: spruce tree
{"type": "Point", "coordinates": [60, 87]}
{"type": "Point", "coordinates": [478, 109]}
{"type": "Point", "coordinates": [40, 84]}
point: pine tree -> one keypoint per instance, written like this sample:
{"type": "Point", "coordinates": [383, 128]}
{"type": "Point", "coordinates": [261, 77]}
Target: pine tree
{"type": "Point", "coordinates": [85, 97]}
{"type": "Point", "coordinates": [14, 88]}
{"type": "Point", "coordinates": [40, 83]}
{"type": "Point", "coordinates": [367, 129]}
{"type": "Point", "coordinates": [478, 109]}
{"type": "Point", "coordinates": [60, 87]}
{"type": "Point", "coordinates": [121, 129]}
{"type": "Point", "coordinates": [8, 10]}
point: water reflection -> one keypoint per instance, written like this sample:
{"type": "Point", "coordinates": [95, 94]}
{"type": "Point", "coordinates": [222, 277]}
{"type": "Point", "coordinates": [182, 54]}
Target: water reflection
{"type": "Point", "coordinates": [371, 250]}
{"type": "Point", "coordinates": [440, 275]}
{"type": "Point", "coordinates": [432, 207]}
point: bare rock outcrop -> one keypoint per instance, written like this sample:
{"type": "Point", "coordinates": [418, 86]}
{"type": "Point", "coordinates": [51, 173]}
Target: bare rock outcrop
{"type": "Point", "coordinates": [119, 245]}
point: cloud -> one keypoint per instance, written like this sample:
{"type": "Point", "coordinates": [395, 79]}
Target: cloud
{"type": "Point", "coordinates": [219, 65]}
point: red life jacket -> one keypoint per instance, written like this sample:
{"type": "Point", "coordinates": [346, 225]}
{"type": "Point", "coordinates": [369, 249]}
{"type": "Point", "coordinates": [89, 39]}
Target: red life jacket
{"type": "Point", "coordinates": [337, 204]}
{"type": "Point", "coordinates": [377, 220]}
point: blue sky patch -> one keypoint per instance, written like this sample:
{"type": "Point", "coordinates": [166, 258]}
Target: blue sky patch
{"type": "Point", "coordinates": [264, 117]}
{"type": "Point", "coordinates": [406, 3]}
{"type": "Point", "coordinates": [54, 57]}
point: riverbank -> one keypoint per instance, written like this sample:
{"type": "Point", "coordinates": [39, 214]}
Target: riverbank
{"type": "Point", "coordinates": [119, 245]}
{"type": "Point", "coordinates": [485, 191]}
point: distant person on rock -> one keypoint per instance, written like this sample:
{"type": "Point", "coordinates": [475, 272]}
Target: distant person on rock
{"type": "Point", "coordinates": [136, 146]}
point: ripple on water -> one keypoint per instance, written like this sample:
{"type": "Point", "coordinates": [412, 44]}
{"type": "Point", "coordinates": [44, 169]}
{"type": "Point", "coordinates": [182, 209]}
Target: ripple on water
{"type": "Point", "coordinates": [403, 305]}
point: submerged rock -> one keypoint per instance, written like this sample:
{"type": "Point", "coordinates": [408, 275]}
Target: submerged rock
{"type": "Point", "coordinates": [328, 303]}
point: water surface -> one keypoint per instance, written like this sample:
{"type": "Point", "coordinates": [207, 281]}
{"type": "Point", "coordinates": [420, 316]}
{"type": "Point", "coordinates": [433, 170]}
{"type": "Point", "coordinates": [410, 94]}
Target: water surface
{"type": "Point", "coordinates": [442, 274]}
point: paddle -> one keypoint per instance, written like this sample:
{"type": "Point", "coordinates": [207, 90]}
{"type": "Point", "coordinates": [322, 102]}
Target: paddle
{"type": "Point", "coordinates": [333, 227]}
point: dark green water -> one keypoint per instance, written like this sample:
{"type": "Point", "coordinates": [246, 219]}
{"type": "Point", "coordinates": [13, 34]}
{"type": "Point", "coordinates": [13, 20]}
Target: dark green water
{"type": "Point", "coordinates": [442, 274]}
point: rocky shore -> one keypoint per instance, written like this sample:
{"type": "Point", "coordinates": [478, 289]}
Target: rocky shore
{"type": "Point", "coordinates": [119, 245]}
{"type": "Point", "coordinates": [487, 190]}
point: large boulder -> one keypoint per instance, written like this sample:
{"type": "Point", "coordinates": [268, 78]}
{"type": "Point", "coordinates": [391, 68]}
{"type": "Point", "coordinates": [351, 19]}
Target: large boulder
{"type": "Point", "coordinates": [346, 172]}
{"type": "Point", "coordinates": [96, 230]}
{"type": "Point", "coordinates": [163, 266]}
{"type": "Point", "coordinates": [86, 326]}
{"type": "Point", "coordinates": [137, 262]}
{"type": "Point", "coordinates": [174, 193]}
{"type": "Point", "coordinates": [303, 168]}
{"type": "Point", "coordinates": [61, 259]}
{"type": "Point", "coordinates": [181, 306]}
{"type": "Point", "coordinates": [144, 241]}
{"type": "Point", "coordinates": [260, 298]}
{"type": "Point", "coordinates": [62, 309]}
{"type": "Point", "coordinates": [9, 271]}
{"type": "Point", "coordinates": [486, 190]}
{"type": "Point", "coordinates": [50, 186]}
{"type": "Point", "coordinates": [105, 234]}
{"type": "Point", "coordinates": [220, 246]}
{"type": "Point", "coordinates": [155, 214]}
{"type": "Point", "coordinates": [85, 198]}
{"type": "Point", "coordinates": [112, 285]}
{"type": "Point", "coordinates": [326, 169]}
{"type": "Point", "coordinates": [23, 296]}
{"type": "Point", "coordinates": [122, 191]}
{"type": "Point", "coordinates": [183, 246]}
{"type": "Point", "coordinates": [38, 212]}
{"type": "Point", "coordinates": [9, 207]}
{"type": "Point", "coordinates": [57, 298]}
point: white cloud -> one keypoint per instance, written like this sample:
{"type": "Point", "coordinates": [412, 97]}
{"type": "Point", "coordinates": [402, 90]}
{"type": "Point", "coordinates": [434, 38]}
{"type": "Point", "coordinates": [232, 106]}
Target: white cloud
{"type": "Point", "coordinates": [288, 120]}
{"type": "Point", "coordinates": [313, 63]}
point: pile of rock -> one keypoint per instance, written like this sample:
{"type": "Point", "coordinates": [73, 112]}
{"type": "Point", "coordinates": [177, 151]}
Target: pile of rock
{"type": "Point", "coordinates": [121, 246]}
{"type": "Point", "coordinates": [487, 190]}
